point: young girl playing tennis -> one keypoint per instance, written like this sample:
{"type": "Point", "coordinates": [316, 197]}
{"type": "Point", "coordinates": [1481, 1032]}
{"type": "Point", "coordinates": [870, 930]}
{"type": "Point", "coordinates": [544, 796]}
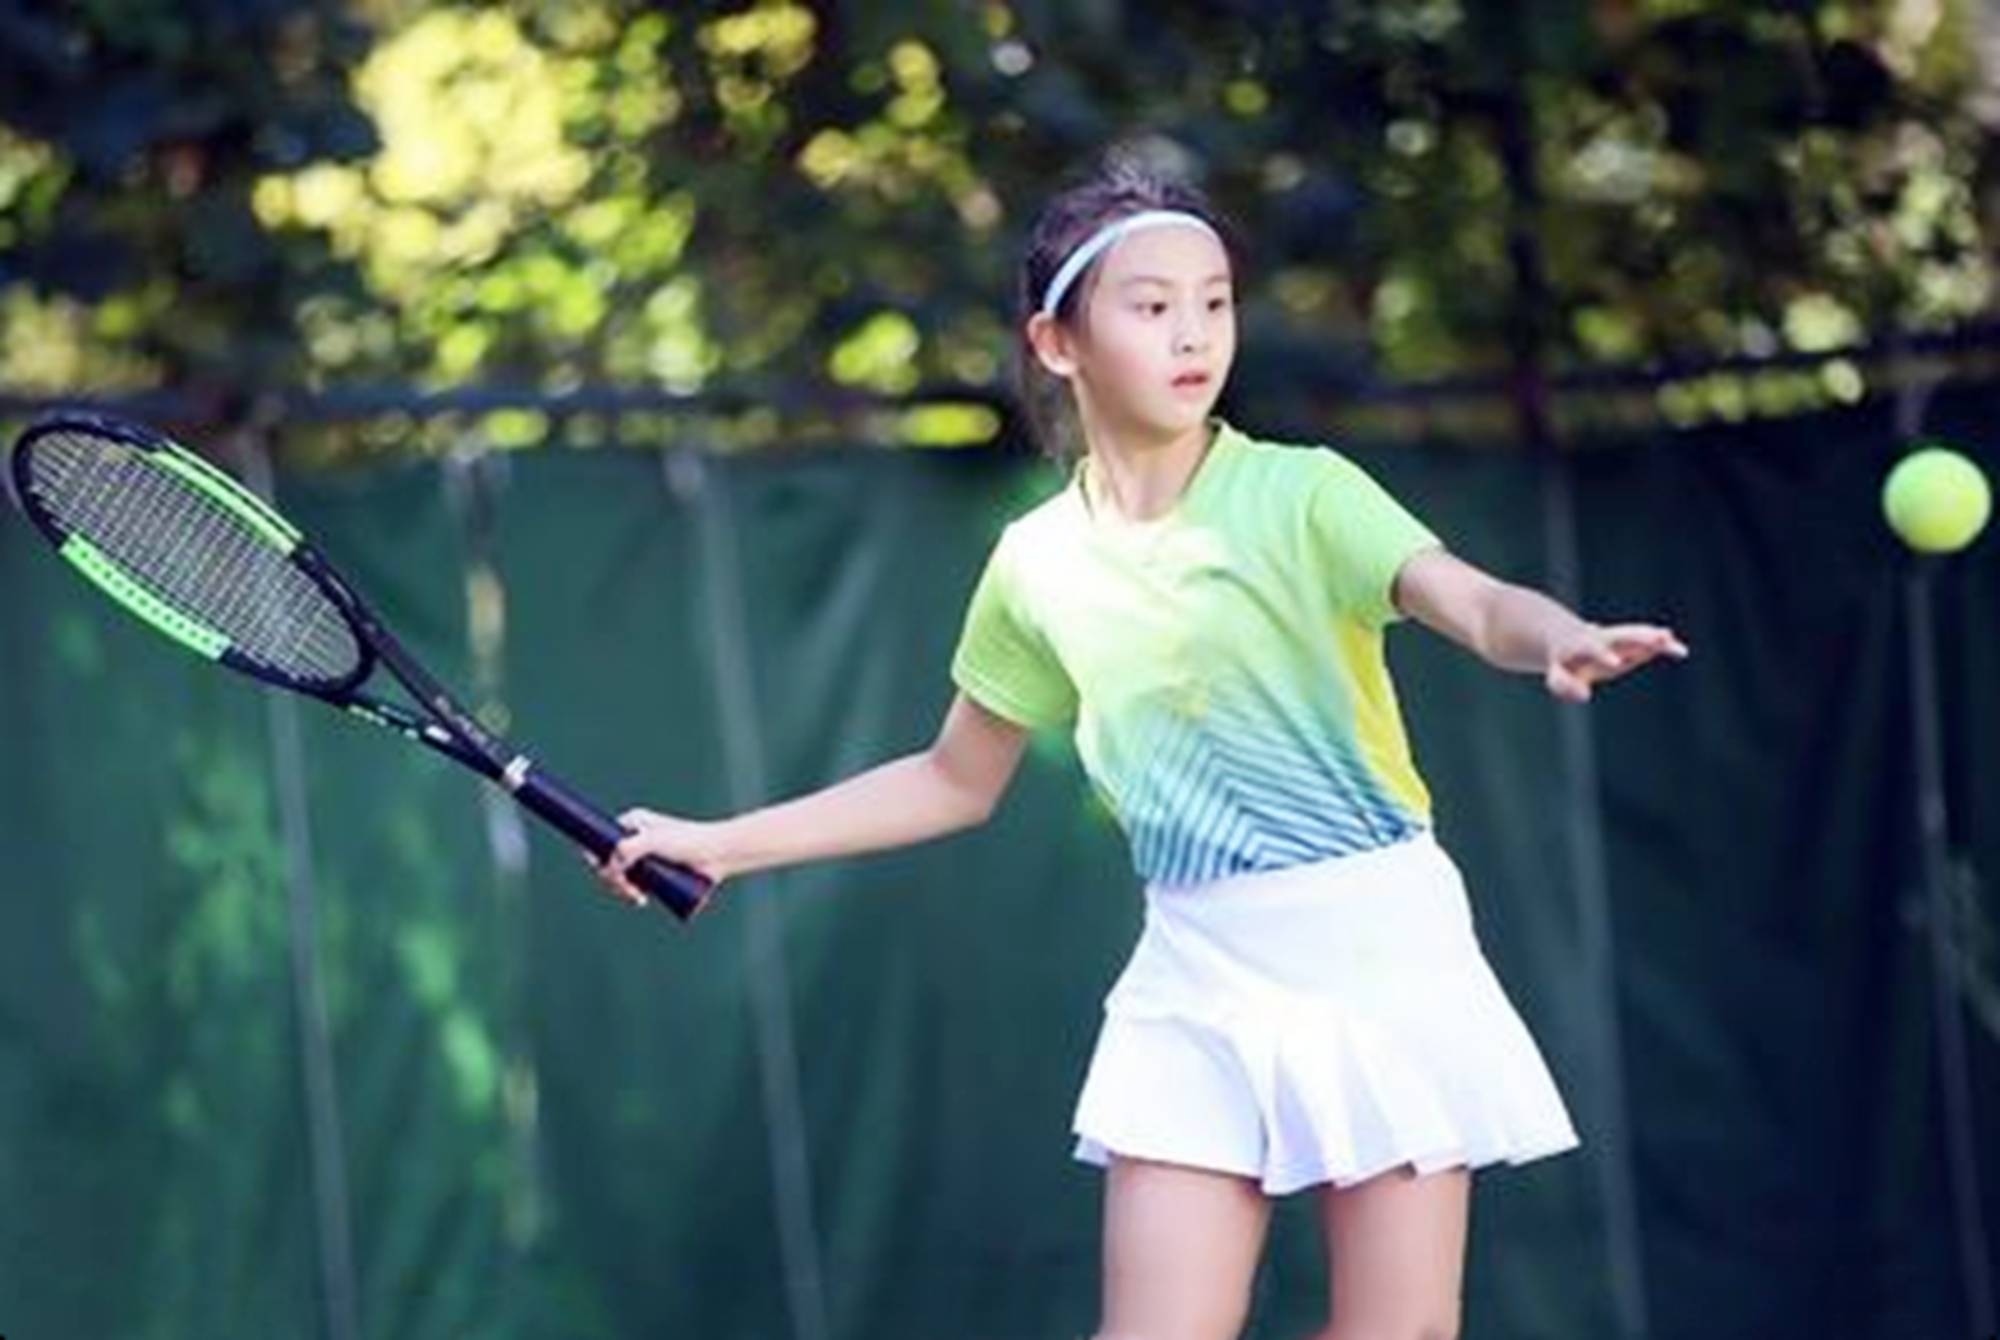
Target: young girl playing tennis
{"type": "Point", "coordinates": [1308, 1004]}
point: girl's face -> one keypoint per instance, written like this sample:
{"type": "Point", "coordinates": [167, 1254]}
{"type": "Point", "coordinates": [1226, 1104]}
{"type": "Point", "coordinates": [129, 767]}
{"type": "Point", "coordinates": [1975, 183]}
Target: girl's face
{"type": "Point", "coordinates": [1157, 335]}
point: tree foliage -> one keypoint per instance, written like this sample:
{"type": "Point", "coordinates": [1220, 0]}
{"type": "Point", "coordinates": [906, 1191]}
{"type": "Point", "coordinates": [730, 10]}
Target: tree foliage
{"type": "Point", "coordinates": [766, 194]}
{"type": "Point", "coordinates": [132, 135]}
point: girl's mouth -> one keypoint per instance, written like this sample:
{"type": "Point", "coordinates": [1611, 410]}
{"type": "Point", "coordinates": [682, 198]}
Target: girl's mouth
{"type": "Point", "coordinates": [1189, 381]}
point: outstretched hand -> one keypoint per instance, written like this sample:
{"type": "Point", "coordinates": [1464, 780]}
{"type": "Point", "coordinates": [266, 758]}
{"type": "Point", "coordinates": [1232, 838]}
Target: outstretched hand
{"type": "Point", "coordinates": [1600, 653]}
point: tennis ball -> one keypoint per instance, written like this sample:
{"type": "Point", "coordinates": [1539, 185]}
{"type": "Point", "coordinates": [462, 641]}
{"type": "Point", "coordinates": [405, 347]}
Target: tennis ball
{"type": "Point", "coordinates": [1936, 500]}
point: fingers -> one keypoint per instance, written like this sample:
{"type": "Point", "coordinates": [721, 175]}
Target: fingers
{"type": "Point", "coordinates": [648, 834]}
{"type": "Point", "coordinates": [1588, 663]}
{"type": "Point", "coordinates": [1645, 637]}
{"type": "Point", "coordinates": [1567, 685]}
{"type": "Point", "coordinates": [629, 849]}
{"type": "Point", "coordinates": [611, 874]}
{"type": "Point", "coordinates": [1623, 646]}
{"type": "Point", "coordinates": [1601, 663]}
{"type": "Point", "coordinates": [632, 847]}
{"type": "Point", "coordinates": [1606, 653]}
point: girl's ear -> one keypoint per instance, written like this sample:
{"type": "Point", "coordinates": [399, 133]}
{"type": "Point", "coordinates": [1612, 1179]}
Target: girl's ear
{"type": "Point", "coordinates": [1052, 344]}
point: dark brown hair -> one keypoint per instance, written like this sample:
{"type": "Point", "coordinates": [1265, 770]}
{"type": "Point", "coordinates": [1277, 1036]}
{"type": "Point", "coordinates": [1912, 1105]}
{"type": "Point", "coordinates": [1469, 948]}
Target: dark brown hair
{"type": "Point", "coordinates": [1120, 186]}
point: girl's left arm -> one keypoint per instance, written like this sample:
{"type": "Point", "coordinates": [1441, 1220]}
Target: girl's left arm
{"type": "Point", "coordinates": [1514, 628]}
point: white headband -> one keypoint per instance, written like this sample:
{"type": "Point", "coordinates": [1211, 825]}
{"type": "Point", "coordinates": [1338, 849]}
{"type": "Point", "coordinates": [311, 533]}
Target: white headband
{"type": "Point", "coordinates": [1101, 240]}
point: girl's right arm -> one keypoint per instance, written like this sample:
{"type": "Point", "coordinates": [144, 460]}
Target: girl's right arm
{"type": "Point", "coordinates": [954, 784]}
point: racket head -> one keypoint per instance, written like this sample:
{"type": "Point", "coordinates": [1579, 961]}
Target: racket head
{"type": "Point", "coordinates": [188, 550]}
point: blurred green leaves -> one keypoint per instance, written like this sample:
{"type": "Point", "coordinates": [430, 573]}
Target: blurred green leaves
{"type": "Point", "coordinates": [767, 195]}
{"type": "Point", "coordinates": [134, 134]}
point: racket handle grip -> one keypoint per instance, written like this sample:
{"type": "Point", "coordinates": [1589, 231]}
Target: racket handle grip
{"type": "Point", "coordinates": [680, 890]}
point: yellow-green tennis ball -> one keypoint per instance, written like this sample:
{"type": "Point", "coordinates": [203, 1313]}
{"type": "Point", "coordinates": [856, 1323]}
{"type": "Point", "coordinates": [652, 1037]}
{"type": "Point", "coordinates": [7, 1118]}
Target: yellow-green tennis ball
{"type": "Point", "coordinates": [1936, 500]}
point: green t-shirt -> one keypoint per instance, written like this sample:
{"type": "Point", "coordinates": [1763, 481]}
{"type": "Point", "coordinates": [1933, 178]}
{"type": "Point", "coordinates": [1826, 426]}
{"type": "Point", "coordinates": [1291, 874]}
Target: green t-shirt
{"type": "Point", "coordinates": [1221, 663]}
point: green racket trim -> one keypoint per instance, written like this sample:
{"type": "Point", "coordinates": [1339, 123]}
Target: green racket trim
{"type": "Point", "coordinates": [115, 582]}
{"type": "Point", "coordinates": [220, 488]}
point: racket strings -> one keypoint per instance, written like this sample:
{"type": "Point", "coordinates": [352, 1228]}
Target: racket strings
{"type": "Point", "coordinates": [194, 553]}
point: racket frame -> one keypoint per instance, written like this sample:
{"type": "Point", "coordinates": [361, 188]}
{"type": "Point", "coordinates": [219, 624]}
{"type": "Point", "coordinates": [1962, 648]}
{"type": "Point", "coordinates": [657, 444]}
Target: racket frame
{"type": "Point", "coordinates": [441, 723]}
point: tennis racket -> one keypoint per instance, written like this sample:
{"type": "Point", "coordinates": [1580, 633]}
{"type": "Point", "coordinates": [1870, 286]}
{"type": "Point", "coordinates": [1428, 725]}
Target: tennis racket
{"type": "Point", "coordinates": [211, 565]}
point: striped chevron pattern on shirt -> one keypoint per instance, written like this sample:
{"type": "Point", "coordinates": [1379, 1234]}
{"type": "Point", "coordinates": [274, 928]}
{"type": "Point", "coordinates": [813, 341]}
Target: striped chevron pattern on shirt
{"type": "Point", "coordinates": [1239, 788]}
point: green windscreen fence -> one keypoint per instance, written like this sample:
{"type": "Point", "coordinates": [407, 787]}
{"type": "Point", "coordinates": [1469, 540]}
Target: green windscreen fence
{"type": "Point", "coordinates": [303, 1033]}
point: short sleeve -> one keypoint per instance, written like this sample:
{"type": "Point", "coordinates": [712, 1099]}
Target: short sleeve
{"type": "Point", "coordinates": [1002, 660]}
{"type": "Point", "coordinates": [1360, 539]}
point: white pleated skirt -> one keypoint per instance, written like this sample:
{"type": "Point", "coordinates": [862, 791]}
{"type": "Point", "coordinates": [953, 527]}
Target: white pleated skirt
{"type": "Point", "coordinates": [1318, 1024]}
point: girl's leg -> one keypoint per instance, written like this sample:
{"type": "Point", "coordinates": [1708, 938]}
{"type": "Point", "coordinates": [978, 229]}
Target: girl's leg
{"type": "Point", "coordinates": [1396, 1247]}
{"type": "Point", "coordinates": [1180, 1251]}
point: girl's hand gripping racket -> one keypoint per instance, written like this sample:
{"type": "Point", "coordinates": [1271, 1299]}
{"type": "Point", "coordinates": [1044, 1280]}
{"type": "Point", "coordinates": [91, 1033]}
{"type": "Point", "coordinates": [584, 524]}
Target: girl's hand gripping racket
{"type": "Point", "coordinates": [210, 564]}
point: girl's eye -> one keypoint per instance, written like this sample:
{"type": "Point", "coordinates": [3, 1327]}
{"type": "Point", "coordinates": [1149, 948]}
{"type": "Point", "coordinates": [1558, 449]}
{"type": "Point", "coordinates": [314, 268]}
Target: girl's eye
{"type": "Point", "coordinates": [1218, 304]}
{"type": "Point", "coordinates": [1152, 308]}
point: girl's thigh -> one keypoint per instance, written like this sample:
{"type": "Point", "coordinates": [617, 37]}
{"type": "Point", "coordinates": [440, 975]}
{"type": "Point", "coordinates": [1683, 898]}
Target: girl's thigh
{"type": "Point", "coordinates": [1396, 1253]}
{"type": "Point", "coordinates": [1180, 1251]}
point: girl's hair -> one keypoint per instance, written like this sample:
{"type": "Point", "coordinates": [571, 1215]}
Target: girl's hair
{"type": "Point", "coordinates": [1121, 185]}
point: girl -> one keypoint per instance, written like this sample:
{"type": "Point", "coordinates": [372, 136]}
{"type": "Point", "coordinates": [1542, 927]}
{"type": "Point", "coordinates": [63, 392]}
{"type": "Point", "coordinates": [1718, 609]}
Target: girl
{"type": "Point", "coordinates": [1308, 1005]}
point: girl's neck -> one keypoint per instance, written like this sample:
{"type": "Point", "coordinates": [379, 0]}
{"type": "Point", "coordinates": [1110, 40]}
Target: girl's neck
{"type": "Point", "coordinates": [1138, 478]}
